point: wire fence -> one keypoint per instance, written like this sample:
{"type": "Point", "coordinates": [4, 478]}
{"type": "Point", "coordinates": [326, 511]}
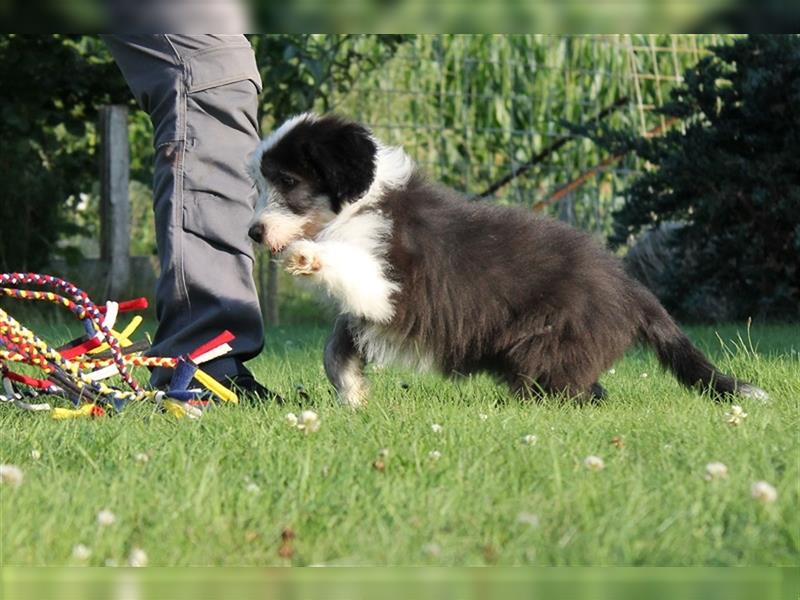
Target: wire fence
{"type": "Point", "coordinates": [473, 108]}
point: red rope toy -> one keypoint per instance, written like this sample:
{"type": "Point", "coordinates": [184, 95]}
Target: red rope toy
{"type": "Point", "coordinates": [77, 370]}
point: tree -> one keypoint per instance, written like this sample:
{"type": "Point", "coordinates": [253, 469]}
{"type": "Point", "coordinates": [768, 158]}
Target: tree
{"type": "Point", "coordinates": [52, 87]}
{"type": "Point", "coordinates": [730, 176]}
{"type": "Point", "coordinates": [304, 71]}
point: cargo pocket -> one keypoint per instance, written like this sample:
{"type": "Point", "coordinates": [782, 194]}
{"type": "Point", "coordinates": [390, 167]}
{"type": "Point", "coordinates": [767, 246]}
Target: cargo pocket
{"type": "Point", "coordinates": [221, 65]}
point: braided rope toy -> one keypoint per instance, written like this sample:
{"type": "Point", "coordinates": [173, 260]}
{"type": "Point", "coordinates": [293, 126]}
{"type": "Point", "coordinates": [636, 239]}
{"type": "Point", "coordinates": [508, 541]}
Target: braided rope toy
{"type": "Point", "coordinates": [76, 370]}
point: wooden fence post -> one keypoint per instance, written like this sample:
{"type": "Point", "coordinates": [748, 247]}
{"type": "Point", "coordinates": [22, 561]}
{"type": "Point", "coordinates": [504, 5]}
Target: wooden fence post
{"type": "Point", "coordinates": [266, 276]}
{"type": "Point", "coordinates": [272, 317]}
{"type": "Point", "coordinates": [114, 201]}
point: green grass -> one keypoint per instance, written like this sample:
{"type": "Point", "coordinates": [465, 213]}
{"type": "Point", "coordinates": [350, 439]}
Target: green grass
{"type": "Point", "coordinates": [190, 503]}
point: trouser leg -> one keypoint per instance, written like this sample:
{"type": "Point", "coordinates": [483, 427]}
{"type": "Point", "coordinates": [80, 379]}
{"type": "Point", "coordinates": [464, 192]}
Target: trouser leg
{"type": "Point", "coordinates": [201, 94]}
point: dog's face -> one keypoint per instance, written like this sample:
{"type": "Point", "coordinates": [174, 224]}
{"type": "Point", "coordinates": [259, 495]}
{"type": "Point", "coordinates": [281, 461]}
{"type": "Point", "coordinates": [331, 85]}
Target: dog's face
{"type": "Point", "coordinates": [306, 171]}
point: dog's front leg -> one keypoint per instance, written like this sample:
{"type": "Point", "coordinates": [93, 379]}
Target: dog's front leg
{"type": "Point", "coordinates": [344, 365]}
{"type": "Point", "coordinates": [350, 274]}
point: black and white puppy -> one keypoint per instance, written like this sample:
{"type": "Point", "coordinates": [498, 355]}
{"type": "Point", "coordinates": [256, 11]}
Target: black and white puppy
{"type": "Point", "coordinates": [429, 280]}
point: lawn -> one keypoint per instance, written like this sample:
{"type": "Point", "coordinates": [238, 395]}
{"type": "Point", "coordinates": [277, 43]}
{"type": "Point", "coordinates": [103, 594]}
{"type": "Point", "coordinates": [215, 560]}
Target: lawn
{"type": "Point", "coordinates": [241, 487]}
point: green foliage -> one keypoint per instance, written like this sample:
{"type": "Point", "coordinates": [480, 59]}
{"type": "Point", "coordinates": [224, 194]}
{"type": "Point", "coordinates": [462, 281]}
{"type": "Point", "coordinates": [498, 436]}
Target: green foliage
{"type": "Point", "coordinates": [730, 174]}
{"type": "Point", "coordinates": [302, 72]}
{"type": "Point", "coordinates": [52, 87]}
{"type": "Point", "coordinates": [470, 108]}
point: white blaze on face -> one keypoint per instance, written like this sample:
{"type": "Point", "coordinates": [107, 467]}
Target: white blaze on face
{"type": "Point", "coordinates": [281, 226]}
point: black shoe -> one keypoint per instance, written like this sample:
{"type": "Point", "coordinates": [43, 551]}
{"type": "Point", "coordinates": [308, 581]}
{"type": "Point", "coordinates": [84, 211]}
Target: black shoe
{"type": "Point", "coordinates": [252, 391]}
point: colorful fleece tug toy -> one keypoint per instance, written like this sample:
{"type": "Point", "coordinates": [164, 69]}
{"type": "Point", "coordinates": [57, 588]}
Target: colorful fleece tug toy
{"type": "Point", "coordinates": [77, 370]}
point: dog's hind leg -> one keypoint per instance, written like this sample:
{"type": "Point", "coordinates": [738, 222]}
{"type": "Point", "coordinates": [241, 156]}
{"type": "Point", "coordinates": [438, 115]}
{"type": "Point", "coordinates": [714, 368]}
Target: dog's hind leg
{"type": "Point", "coordinates": [344, 365]}
{"type": "Point", "coordinates": [536, 385]}
{"type": "Point", "coordinates": [568, 371]}
{"type": "Point", "coordinates": [597, 392]}
{"type": "Point", "coordinates": [525, 387]}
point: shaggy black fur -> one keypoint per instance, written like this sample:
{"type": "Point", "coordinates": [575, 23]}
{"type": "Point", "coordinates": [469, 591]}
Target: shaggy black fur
{"type": "Point", "coordinates": [490, 288]}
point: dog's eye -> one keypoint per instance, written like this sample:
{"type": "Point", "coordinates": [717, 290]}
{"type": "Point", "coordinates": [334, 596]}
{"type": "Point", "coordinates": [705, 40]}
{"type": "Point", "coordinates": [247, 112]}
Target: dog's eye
{"type": "Point", "coordinates": [287, 181]}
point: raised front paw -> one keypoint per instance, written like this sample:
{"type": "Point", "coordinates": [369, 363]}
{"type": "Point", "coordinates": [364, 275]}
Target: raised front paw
{"type": "Point", "coordinates": [302, 259]}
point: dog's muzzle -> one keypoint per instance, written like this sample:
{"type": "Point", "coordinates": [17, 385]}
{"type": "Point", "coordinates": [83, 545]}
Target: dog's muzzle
{"type": "Point", "coordinates": [258, 233]}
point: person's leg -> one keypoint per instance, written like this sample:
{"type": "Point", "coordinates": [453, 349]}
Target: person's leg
{"type": "Point", "coordinates": [201, 94]}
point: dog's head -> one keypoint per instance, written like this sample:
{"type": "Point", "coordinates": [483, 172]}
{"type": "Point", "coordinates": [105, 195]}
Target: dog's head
{"type": "Point", "coordinates": [306, 171]}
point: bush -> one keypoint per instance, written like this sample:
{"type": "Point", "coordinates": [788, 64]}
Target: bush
{"type": "Point", "coordinates": [52, 87]}
{"type": "Point", "coordinates": [732, 179]}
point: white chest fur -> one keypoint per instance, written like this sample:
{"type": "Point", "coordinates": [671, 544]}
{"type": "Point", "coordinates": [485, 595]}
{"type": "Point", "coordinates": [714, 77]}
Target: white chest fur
{"type": "Point", "coordinates": [348, 257]}
{"type": "Point", "coordinates": [348, 260]}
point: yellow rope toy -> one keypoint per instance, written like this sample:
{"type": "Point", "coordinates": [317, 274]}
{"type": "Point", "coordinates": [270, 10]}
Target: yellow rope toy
{"type": "Point", "coordinates": [77, 369]}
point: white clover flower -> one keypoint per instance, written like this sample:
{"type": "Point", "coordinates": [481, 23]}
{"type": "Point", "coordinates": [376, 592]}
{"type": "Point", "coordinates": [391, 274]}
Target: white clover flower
{"type": "Point", "coordinates": [11, 475]}
{"type": "Point", "coordinates": [738, 411]}
{"type": "Point", "coordinates": [106, 518]}
{"type": "Point", "coordinates": [716, 470]}
{"type": "Point", "coordinates": [643, 376]}
{"type": "Point", "coordinates": [527, 518]}
{"type": "Point", "coordinates": [530, 439]}
{"type": "Point", "coordinates": [141, 458]}
{"type": "Point", "coordinates": [308, 421]}
{"type": "Point", "coordinates": [81, 552]}
{"type": "Point", "coordinates": [594, 463]}
{"type": "Point", "coordinates": [291, 419]}
{"type": "Point", "coordinates": [764, 492]}
{"type": "Point", "coordinates": [612, 371]}
{"type": "Point", "coordinates": [253, 488]}
{"type": "Point", "coordinates": [736, 416]}
{"type": "Point", "coordinates": [436, 428]}
{"type": "Point", "coordinates": [483, 416]}
{"type": "Point", "coordinates": [434, 455]}
{"type": "Point", "coordinates": [138, 558]}
{"type": "Point", "coordinates": [36, 454]}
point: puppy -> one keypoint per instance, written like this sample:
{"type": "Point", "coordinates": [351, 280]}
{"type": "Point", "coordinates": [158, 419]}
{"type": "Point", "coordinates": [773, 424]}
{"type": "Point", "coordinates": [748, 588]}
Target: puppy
{"type": "Point", "coordinates": [427, 279]}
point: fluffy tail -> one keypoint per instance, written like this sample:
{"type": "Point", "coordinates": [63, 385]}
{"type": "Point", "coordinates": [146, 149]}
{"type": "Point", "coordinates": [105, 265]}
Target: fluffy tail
{"type": "Point", "coordinates": [677, 353]}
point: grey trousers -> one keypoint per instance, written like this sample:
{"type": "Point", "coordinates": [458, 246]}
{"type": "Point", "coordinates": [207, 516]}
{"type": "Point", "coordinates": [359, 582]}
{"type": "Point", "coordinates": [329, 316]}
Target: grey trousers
{"type": "Point", "coordinates": [201, 93]}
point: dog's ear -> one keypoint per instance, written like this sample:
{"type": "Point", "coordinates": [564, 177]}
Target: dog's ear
{"type": "Point", "coordinates": [342, 154]}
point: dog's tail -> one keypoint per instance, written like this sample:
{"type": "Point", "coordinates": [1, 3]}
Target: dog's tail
{"type": "Point", "coordinates": [677, 353]}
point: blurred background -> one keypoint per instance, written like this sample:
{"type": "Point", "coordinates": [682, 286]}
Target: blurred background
{"type": "Point", "coordinates": [678, 150]}
{"type": "Point", "coordinates": [354, 583]}
{"type": "Point", "coordinates": [400, 16]}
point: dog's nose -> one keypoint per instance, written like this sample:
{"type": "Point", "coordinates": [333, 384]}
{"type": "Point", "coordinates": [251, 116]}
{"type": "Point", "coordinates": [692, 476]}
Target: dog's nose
{"type": "Point", "coordinates": [256, 233]}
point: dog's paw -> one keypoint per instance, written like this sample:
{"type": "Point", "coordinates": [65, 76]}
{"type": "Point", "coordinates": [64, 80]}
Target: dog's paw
{"type": "Point", "coordinates": [302, 258]}
{"type": "Point", "coordinates": [747, 390]}
{"type": "Point", "coordinates": [355, 397]}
